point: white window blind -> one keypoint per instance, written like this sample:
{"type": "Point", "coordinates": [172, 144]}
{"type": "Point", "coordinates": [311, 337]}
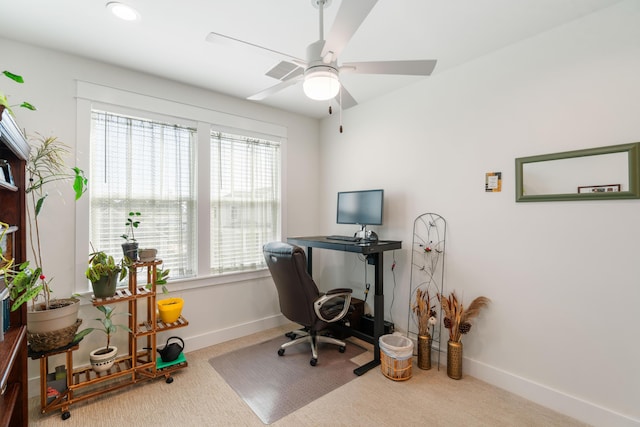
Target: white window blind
{"type": "Point", "coordinates": [245, 201]}
{"type": "Point", "coordinates": [148, 167]}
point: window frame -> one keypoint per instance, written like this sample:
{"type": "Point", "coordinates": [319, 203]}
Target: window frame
{"type": "Point", "coordinates": [91, 96]}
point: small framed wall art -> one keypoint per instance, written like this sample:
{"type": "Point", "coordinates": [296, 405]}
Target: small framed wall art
{"type": "Point", "coordinates": [493, 182]}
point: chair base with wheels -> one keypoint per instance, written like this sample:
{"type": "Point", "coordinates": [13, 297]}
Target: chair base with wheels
{"type": "Point", "coordinates": [302, 336]}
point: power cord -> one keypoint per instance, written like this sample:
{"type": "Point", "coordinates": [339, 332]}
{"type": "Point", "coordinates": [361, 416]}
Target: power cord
{"type": "Point", "coordinates": [393, 294]}
{"type": "Point", "coordinates": [367, 285]}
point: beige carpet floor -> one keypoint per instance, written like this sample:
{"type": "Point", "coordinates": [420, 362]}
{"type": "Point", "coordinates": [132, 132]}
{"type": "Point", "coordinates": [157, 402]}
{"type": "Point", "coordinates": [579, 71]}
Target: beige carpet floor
{"type": "Point", "coordinates": [200, 397]}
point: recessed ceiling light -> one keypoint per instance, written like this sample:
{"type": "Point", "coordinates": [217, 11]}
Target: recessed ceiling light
{"type": "Point", "coordinates": [123, 11]}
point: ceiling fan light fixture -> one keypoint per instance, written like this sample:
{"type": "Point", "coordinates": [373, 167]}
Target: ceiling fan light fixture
{"type": "Point", "coordinates": [321, 83]}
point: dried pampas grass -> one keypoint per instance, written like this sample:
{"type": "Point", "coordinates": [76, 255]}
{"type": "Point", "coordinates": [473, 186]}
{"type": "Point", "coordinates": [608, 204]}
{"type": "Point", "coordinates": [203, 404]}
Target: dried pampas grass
{"type": "Point", "coordinates": [456, 318]}
{"type": "Point", "coordinates": [424, 311]}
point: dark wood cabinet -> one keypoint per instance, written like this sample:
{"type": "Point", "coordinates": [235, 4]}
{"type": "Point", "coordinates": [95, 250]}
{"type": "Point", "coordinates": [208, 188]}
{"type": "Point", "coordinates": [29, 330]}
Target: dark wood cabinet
{"type": "Point", "coordinates": [14, 149]}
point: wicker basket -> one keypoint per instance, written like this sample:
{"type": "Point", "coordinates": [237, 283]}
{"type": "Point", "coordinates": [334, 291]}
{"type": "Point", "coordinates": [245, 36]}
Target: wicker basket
{"type": "Point", "coordinates": [396, 356]}
{"type": "Point", "coordinates": [395, 369]}
{"type": "Point", "coordinates": [47, 341]}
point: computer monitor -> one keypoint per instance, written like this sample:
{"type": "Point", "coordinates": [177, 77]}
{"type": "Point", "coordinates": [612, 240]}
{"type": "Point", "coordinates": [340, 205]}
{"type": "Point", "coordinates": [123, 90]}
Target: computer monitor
{"type": "Point", "coordinates": [360, 207]}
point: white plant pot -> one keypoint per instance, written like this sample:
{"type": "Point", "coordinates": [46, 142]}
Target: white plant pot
{"type": "Point", "coordinates": [41, 321]}
{"type": "Point", "coordinates": [103, 362]}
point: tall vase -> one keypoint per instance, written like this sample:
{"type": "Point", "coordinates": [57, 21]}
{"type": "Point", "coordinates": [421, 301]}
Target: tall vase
{"type": "Point", "coordinates": [424, 351]}
{"type": "Point", "coordinates": [454, 360]}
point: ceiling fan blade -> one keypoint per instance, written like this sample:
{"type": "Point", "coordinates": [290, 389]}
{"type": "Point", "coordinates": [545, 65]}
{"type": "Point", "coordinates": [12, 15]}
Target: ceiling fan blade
{"type": "Point", "coordinates": [223, 40]}
{"type": "Point", "coordinates": [347, 99]}
{"type": "Point", "coordinates": [348, 19]}
{"type": "Point", "coordinates": [275, 89]}
{"type": "Point", "coordinates": [410, 68]}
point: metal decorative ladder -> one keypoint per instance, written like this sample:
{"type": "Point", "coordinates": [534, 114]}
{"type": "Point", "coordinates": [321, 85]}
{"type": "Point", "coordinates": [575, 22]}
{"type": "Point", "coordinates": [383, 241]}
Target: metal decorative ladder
{"type": "Point", "coordinates": [427, 270]}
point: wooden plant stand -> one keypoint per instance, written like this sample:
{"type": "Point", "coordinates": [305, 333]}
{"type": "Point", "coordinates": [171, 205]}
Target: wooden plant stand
{"type": "Point", "coordinates": [138, 365]}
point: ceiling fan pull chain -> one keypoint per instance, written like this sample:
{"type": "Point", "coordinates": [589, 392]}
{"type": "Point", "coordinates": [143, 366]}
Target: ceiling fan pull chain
{"type": "Point", "coordinates": [340, 108]}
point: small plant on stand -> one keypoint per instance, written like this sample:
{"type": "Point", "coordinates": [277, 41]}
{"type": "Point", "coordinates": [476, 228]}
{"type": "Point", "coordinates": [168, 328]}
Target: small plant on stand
{"type": "Point", "coordinates": [168, 308]}
{"type": "Point", "coordinates": [130, 247]}
{"type": "Point", "coordinates": [103, 358]}
{"type": "Point", "coordinates": [104, 273]}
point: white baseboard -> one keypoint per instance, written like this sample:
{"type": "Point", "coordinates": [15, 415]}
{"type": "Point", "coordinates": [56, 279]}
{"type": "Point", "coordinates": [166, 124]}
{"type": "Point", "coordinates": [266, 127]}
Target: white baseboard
{"type": "Point", "coordinates": [237, 331]}
{"type": "Point", "coordinates": [197, 342]}
{"type": "Point", "coordinates": [566, 404]}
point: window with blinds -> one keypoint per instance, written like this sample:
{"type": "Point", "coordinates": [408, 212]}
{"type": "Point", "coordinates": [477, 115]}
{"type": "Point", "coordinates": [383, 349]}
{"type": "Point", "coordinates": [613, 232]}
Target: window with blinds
{"type": "Point", "coordinates": [148, 167]}
{"type": "Point", "coordinates": [245, 201]}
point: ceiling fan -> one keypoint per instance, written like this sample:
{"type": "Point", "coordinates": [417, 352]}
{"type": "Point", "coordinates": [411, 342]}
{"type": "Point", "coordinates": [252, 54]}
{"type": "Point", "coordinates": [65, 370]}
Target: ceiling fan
{"type": "Point", "coordinates": [320, 72]}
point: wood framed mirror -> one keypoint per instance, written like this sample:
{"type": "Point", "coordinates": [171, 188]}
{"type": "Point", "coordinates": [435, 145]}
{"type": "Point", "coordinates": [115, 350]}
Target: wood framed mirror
{"type": "Point", "coordinates": [602, 173]}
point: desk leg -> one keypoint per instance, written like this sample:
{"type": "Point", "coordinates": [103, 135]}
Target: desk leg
{"type": "Point", "coordinates": [310, 261]}
{"type": "Point", "coordinates": [378, 315]}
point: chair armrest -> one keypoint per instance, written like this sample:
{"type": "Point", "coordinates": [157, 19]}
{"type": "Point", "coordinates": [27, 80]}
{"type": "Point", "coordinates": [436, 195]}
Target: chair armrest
{"type": "Point", "coordinates": [339, 291]}
{"type": "Point", "coordinates": [335, 296]}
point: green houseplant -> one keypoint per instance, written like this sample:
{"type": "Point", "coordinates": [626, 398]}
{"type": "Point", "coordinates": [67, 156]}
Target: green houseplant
{"type": "Point", "coordinates": [28, 281]}
{"type": "Point", "coordinates": [3, 98]}
{"type": "Point", "coordinates": [103, 358]}
{"type": "Point", "coordinates": [130, 246]}
{"type": "Point", "coordinates": [104, 274]}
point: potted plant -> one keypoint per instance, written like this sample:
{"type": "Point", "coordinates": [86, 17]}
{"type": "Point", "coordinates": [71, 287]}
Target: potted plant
{"type": "Point", "coordinates": [168, 308]}
{"type": "Point", "coordinates": [28, 282]}
{"type": "Point", "coordinates": [103, 358]}
{"type": "Point", "coordinates": [130, 246]}
{"type": "Point", "coordinates": [104, 274]}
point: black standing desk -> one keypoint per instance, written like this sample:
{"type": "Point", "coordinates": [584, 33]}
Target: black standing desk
{"type": "Point", "coordinates": [373, 252]}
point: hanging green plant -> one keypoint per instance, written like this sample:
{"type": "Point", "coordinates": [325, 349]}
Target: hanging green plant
{"type": "Point", "coordinates": [5, 101]}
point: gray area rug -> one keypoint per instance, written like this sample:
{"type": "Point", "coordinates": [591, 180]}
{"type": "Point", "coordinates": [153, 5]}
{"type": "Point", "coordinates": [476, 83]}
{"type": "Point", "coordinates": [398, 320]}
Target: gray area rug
{"type": "Point", "coordinates": [274, 386]}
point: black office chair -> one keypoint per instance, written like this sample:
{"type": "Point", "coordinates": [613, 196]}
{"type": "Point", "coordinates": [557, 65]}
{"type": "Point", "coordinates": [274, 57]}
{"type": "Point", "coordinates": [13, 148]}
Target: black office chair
{"type": "Point", "coordinates": [300, 300]}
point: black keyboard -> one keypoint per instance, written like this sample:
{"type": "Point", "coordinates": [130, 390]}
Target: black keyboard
{"type": "Point", "coordinates": [344, 238]}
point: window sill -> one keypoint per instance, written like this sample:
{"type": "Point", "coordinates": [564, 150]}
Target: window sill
{"type": "Point", "coordinates": [199, 282]}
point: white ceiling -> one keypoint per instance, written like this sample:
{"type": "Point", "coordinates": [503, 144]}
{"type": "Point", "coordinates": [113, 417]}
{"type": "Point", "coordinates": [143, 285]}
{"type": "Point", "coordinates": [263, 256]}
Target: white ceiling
{"type": "Point", "coordinates": [169, 40]}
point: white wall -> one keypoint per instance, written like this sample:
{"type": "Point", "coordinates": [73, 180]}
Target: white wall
{"type": "Point", "coordinates": [215, 312]}
{"type": "Point", "coordinates": [561, 329]}
{"type": "Point", "coordinates": [562, 276]}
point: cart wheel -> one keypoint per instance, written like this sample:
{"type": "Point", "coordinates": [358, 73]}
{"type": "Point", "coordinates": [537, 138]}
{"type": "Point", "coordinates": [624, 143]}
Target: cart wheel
{"type": "Point", "coordinates": [342, 348]}
{"type": "Point", "coordinates": [66, 415]}
{"type": "Point", "coordinates": [169, 380]}
{"type": "Point", "coordinates": [281, 352]}
{"type": "Point", "coordinates": [313, 362]}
